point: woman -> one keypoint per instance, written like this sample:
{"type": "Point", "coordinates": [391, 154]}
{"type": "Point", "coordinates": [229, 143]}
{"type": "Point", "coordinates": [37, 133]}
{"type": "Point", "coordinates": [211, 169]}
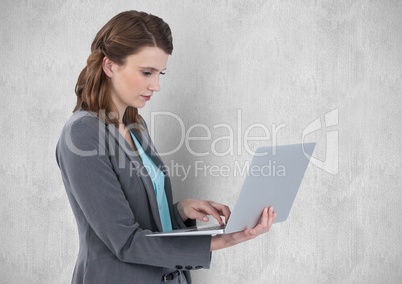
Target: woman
{"type": "Point", "coordinates": [114, 178]}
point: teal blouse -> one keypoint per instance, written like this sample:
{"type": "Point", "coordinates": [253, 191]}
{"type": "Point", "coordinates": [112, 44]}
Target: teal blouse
{"type": "Point", "coordinates": [158, 180]}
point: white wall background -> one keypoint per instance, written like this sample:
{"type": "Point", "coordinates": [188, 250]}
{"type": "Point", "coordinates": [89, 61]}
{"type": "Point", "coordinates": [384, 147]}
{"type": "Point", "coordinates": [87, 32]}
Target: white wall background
{"type": "Point", "coordinates": [275, 62]}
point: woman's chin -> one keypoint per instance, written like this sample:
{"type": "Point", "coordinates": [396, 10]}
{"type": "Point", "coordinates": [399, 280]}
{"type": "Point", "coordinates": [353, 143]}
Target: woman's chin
{"type": "Point", "coordinates": [139, 105]}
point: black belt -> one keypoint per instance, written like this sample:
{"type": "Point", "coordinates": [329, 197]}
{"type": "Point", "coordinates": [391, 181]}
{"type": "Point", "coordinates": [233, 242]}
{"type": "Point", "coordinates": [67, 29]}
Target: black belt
{"type": "Point", "coordinates": [170, 276]}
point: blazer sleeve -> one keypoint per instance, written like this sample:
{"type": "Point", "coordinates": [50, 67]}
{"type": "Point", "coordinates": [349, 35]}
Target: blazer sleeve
{"type": "Point", "coordinates": [88, 174]}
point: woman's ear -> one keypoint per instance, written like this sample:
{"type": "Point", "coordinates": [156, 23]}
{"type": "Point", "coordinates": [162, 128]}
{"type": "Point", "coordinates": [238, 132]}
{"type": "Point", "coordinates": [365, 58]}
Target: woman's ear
{"type": "Point", "coordinates": [107, 66]}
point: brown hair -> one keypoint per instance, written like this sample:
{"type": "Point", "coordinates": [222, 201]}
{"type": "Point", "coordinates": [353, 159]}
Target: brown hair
{"type": "Point", "coordinates": [125, 34]}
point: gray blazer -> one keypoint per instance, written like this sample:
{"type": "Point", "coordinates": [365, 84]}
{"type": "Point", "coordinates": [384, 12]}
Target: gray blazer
{"type": "Point", "coordinates": [114, 204]}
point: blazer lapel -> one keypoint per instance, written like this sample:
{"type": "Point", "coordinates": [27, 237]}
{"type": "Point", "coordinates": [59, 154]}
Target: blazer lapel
{"type": "Point", "coordinates": [135, 160]}
{"type": "Point", "coordinates": [149, 147]}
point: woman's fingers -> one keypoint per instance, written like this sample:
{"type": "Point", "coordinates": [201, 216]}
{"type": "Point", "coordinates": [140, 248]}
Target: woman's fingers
{"type": "Point", "coordinates": [199, 209]}
{"type": "Point", "coordinates": [223, 210]}
{"type": "Point", "coordinates": [265, 217]}
{"type": "Point", "coordinates": [265, 223]}
{"type": "Point", "coordinates": [209, 208]}
{"type": "Point", "coordinates": [271, 218]}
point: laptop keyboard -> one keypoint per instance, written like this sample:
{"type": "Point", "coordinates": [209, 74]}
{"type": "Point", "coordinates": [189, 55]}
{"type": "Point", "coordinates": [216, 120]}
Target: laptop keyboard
{"type": "Point", "coordinates": [218, 227]}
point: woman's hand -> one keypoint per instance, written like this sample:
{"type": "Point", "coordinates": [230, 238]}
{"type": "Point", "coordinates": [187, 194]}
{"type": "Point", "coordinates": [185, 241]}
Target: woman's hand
{"type": "Point", "coordinates": [199, 209]}
{"type": "Point", "coordinates": [265, 223]}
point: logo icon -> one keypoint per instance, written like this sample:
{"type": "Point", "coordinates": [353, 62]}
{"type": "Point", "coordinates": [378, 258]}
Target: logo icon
{"type": "Point", "coordinates": [331, 161]}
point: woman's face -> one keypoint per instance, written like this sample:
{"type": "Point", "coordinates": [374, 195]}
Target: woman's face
{"type": "Point", "coordinates": [133, 83]}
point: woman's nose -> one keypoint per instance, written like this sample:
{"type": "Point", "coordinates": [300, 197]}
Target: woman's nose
{"type": "Point", "coordinates": [155, 86]}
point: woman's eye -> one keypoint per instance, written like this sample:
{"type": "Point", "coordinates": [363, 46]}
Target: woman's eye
{"type": "Point", "coordinates": [149, 73]}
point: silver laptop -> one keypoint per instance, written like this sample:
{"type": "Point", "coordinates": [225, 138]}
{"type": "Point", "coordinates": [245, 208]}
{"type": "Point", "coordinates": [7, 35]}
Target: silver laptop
{"type": "Point", "coordinates": [273, 179]}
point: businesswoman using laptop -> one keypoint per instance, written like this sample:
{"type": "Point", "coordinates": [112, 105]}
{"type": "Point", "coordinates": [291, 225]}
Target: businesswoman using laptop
{"type": "Point", "coordinates": [115, 180]}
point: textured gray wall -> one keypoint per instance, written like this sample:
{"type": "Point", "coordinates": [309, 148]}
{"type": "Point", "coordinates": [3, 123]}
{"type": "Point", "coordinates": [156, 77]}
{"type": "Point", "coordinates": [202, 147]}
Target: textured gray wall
{"type": "Point", "coordinates": [283, 64]}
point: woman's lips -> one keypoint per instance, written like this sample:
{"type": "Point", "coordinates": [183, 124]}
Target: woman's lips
{"type": "Point", "coordinates": [147, 98]}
